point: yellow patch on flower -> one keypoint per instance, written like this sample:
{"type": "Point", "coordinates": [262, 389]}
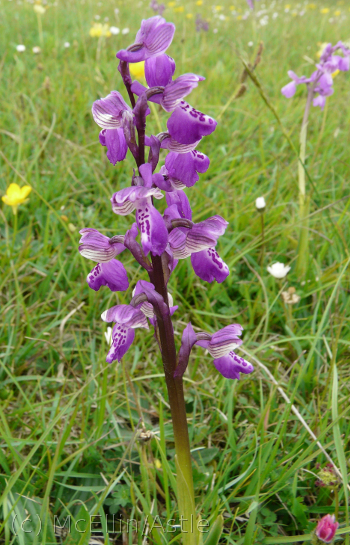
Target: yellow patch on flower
{"type": "Point", "coordinates": [199, 2]}
{"type": "Point", "coordinates": [137, 69]}
{"type": "Point", "coordinates": [338, 12]}
{"type": "Point", "coordinates": [335, 73]}
{"type": "Point", "coordinates": [171, 4]}
{"type": "Point", "coordinates": [98, 29]}
{"type": "Point", "coordinates": [324, 11]}
{"type": "Point", "coordinates": [239, 17]}
{"type": "Point", "coordinates": [322, 46]}
{"type": "Point", "coordinates": [218, 8]}
{"type": "Point", "coordinates": [38, 8]}
{"type": "Point", "coordinates": [189, 15]}
{"type": "Point", "coordinates": [287, 6]}
{"type": "Point", "coordinates": [180, 9]}
{"type": "Point", "coordinates": [16, 195]}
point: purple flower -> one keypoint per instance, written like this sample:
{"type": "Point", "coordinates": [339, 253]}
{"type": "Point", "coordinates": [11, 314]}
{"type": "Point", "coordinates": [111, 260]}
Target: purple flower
{"type": "Point", "coordinates": [115, 142]}
{"type": "Point", "coordinates": [180, 200]}
{"type": "Point", "coordinates": [108, 112]}
{"type": "Point", "coordinates": [98, 247]}
{"type": "Point", "coordinates": [127, 318]}
{"type": "Point", "coordinates": [187, 125]}
{"type": "Point", "coordinates": [159, 70]}
{"type": "Point", "coordinates": [219, 346]}
{"type": "Point", "coordinates": [184, 167]}
{"type": "Point", "coordinates": [126, 200]}
{"type": "Point", "coordinates": [175, 91]}
{"type": "Point", "coordinates": [153, 38]}
{"type": "Point", "coordinates": [223, 341]}
{"type": "Point", "coordinates": [289, 90]}
{"type": "Point", "coordinates": [326, 528]}
{"type": "Point", "coordinates": [145, 306]}
{"type": "Point", "coordinates": [201, 24]}
{"type": "Point", "coordinates": [154, 234]}
{"type": "Point", "coordinates": [184, 241]}
{"type": "Point", "coordinates": [209, 266]}
{"type": "Point", "coordinates": [251, 3]}
{"type": "Point", "coordinates": [231, 366]}
{"type": "Point", "coordinates": [321, 81]}
{"type": "Point", "coordinates": [157, 7]}
{"type": "Point", "coordinates": [111, 274]}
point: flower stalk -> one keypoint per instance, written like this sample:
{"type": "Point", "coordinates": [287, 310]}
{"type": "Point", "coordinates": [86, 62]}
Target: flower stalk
{"type": "Point", "coordinates": [164, 238]}
{"type": "Point", "coordinates": [304, 201]}
{"type": "Point", "coordinates": [319, 87]}
{"type": "Point", "coordinates": [185, 489]}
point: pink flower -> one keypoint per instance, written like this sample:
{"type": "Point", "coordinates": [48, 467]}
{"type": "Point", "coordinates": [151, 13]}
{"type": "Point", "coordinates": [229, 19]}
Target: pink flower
{"type": "Point", "coordinates": [326, 528]}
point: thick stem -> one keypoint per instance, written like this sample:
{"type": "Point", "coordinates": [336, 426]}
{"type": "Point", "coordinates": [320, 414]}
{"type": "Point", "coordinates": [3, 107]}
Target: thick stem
{"type": "Point", "coordinates": [178, 410]}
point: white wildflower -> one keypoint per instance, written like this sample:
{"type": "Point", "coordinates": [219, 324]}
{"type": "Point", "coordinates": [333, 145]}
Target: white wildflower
{"type": "Point", "coordinates": [278, 270]}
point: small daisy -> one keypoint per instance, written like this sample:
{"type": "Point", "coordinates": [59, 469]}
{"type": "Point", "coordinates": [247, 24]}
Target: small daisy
{"type": "Point", "coordinates": [36, 50]}
{"type": "Point", "coordinates": [20, 48]}
{"type": "Point", "coordinates": [66, 45]}
{"type": "Point", "coordinates": [125, 31]}
{"type": "Point", "coordinates": [114, 30]}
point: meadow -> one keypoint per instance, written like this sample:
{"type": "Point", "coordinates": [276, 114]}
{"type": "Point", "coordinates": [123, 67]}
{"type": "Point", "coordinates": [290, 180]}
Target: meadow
{"type": "Point", "coordinates": [80, 437]}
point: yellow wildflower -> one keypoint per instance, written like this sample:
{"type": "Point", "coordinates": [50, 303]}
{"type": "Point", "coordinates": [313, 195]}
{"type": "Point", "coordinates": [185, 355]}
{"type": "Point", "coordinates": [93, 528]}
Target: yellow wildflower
{"type": "Point", "coordinates": [39, 9]}
{"type": "Point", "coordinates": [338, 12]}
{"type": "Point", "coordinates": [218, 8]}
{"type": "Point", "coordinates": [287, 6]}
{"type": "Point", "coordinates": [171, 4]}
{"type": "Point", "coordinates": [189, 15]}
{"type": "Point", "coordinates": [180, 9]}
{"type": "Point", "coordinates": [137, 69]}
{"type": "Point", "coordinates": [199, 2]}
{"type": "Point", "coordinates": [324, 11]}
{"type": "Point", "coordinates": [16, 195]}
{"type": "Point", "coordinates": [239, 17]}
{"type": "Point", "coordinates": [232, 8]}
{"type": "Point", "coordinates": [312, 6]}
{"type": "Point", "coordinates": [98, 30]}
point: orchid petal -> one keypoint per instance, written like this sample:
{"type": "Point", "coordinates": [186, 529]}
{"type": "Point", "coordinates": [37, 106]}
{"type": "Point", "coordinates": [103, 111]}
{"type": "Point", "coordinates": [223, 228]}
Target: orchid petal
{"type": "Point", "coordinates": [111, 274]}
{"type": "Point", "coordinates": [231, 365]}
{"type": "Point", "coordinates": [159, 70]}
{"type": "Point", "coordinates": [98, 247]}
{"type": "Point", "coordinates": [107, 112]}
{"type": "Point", "coordinates": [187, 125]}
{"type": "Point", "coordinates": [122, 339]}
{"type": "Point", "coordinates": [209, 266]}
{"type": "Point", "coordinates": [154, 234]}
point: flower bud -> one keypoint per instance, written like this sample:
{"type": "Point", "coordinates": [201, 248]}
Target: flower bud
{"type": "Point", "coordinates": [326, 528]}
{"type": "Point", "coordinates": [260, 204]}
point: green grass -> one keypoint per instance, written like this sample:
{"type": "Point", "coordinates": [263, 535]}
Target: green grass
{"type": "Point", "coordinates": [69, 422]}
